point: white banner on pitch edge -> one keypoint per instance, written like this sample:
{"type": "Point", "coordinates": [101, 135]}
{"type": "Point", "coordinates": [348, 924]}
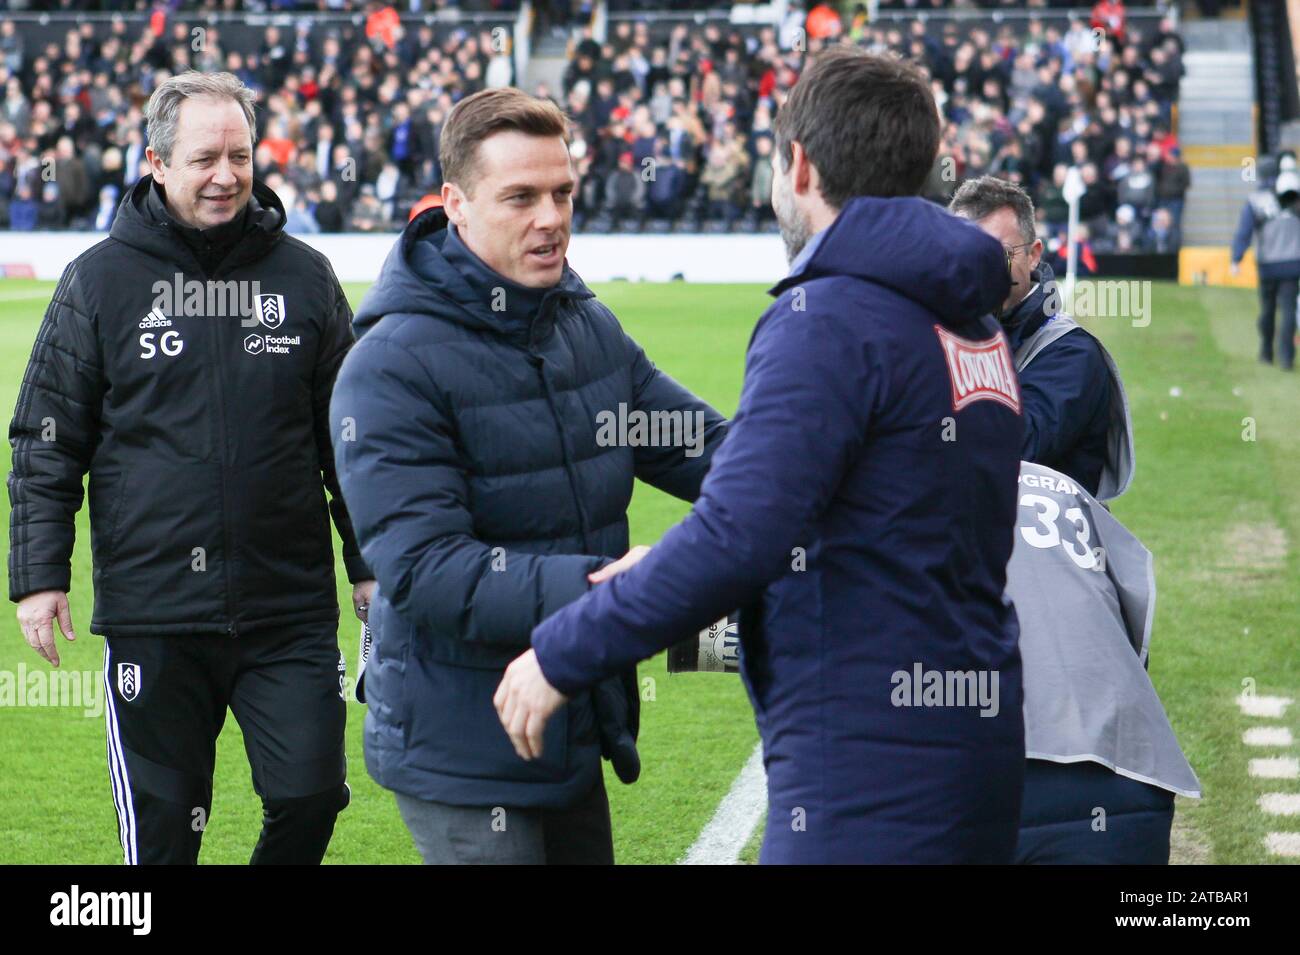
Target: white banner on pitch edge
{"type": "Point", "coordinates": [597, 258]}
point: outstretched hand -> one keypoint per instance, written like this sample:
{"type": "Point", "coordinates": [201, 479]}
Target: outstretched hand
{"type": "Point", "coordinates": [624, 563]}
{"type": "Point", "coordinates": [525, 701]}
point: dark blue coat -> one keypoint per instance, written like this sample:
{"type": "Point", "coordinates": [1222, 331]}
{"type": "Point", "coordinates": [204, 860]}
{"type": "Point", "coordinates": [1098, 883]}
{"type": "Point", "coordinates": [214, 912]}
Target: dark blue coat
{"type": "Point", "coordinates": [1066, 391]}
{"type": "Point", "coordinates": [863, 523]}
{"type": "Point", "coordinates": [466, 439]}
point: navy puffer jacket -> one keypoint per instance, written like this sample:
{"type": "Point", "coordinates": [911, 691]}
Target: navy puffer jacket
{"type": "Point", "coordinates": [466, 441]}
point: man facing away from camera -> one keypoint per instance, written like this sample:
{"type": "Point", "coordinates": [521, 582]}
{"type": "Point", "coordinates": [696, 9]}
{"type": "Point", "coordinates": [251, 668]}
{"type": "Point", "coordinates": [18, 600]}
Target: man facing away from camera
{"type": "Point", "coordinates": [481, 444]}
{"type": "Point", "coordinates": [186, 363]}
{"type": "Point", "coordinates": [1271, 219]}
{"type": "Point", "coordinates": [860, 512]}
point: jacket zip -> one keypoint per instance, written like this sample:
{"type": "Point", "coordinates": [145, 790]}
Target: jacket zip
{"type": "Point", "coordinates": [540, 364]}
{"type": "Point", "coordinates": [217, 366]}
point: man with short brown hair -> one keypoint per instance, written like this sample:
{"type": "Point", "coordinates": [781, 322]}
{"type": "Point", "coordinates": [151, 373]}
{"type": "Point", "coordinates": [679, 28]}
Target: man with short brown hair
{"type": "Point", "coordinates": [472, 440]}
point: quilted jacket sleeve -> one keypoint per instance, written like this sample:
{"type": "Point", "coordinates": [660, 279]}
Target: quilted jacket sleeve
{"type": "Point", "coordinates": [335, 342]}
{"type": "Point", "coordinates": [54, 433]}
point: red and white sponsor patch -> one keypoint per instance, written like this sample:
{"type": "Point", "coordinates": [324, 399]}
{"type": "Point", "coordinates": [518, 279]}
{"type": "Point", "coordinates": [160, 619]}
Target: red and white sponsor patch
{"type": "Point", "coordinates": [979, 370]}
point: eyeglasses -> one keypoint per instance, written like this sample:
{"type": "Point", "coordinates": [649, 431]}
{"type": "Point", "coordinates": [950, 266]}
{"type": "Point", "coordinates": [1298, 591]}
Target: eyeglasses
{"type": "Point", "coordinates": [1011, 251]}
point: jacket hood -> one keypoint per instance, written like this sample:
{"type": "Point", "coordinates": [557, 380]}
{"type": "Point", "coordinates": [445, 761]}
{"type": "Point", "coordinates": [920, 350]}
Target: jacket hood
{"type": "Point", "coordinates": [918, 249]}
{"type": "Point", "coordinates": [138, 225]}
{"type": "Point", "coordinates": [442, 291]}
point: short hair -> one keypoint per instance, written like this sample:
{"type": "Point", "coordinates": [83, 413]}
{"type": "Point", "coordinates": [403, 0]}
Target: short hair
{"type": "Point", "coordinates": [485, 113]}
{"type": "Point", "coordinates": [868, 123]}
{"type": "Point", "coordinates": [162, 114]}
{"type": "Point", "coordinates": [978, 199]}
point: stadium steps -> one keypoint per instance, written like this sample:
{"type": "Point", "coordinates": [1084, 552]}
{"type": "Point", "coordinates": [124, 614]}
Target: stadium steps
{"type": "Point", "coordinates": [546, 67]}
{"type": "Point", "coordinates": [1216, 127]}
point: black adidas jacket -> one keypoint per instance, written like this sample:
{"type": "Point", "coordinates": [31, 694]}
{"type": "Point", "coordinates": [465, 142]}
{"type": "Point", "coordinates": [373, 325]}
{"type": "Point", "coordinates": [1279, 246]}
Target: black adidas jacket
{"type": "Point", "coordinates": [205, 437]}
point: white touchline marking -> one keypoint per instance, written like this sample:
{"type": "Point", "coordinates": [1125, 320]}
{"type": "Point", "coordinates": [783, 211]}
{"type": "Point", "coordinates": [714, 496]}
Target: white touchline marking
{"type": "Point", "coordinates": [23, 296]}
{"type": "Point", "coordinates": [733, 823]}
{"type": "Point", "coordinates": [1273, 706]}
{"type": "Point", "coordinates": [1278, 767]}
{"type": "Point", "coordinates": [1283, 843]}
{"type": "Point", "coordinates": [1267, 736]}
{"type": "Point", "coordinates": [1280, 804]}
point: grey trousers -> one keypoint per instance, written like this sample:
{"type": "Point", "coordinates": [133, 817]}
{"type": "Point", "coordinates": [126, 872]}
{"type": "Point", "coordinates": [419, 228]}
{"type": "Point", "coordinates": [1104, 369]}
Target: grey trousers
{"type": "Point", "coordinates": [501, 835]}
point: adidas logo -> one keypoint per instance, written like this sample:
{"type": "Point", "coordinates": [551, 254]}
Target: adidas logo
{"type": "Point", "coordinates": [155, 319]}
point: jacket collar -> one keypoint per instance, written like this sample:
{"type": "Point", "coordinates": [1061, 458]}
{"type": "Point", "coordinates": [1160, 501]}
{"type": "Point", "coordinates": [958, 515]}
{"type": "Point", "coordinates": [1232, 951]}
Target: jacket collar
{"type": "Point", "coordinates": [143, 222]}
{"type": "Point", "coordinates": [418, 266]}
{"type": "Point", "coordinates": [1035, 308]}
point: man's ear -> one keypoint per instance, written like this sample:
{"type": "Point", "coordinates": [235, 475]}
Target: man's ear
{"type": "Point", "coordinates": [156, 166]}
{"type": "Point", "coordinates": [452, 198]}
{"type": "Point", "coordinates": [1035, 254]}
{"type": "Point", "coordinates": [803, 177]}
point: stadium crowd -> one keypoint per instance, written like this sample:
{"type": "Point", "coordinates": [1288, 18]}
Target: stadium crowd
{"type": "Point", "coordinates": [671, 123]}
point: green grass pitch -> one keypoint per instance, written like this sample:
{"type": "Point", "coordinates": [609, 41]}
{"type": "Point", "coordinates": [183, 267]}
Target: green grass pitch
{"type": "Point", "coordinates": [1219, 512]}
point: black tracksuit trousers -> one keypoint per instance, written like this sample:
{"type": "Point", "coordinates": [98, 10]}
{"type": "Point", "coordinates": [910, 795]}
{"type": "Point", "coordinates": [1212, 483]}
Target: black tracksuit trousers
{"type": "Point", "coordinates": [167, 701]}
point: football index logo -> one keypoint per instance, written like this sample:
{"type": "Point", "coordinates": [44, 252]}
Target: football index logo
{"type": "Point", "coordinates": [128, 680]}
{"type": "Point", "coordinates": [979, 371]}
{"type": "Point", "coordinates": [270, 310]}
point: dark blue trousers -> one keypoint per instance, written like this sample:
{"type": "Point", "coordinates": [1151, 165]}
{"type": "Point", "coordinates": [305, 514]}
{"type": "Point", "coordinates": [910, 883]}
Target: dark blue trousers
{"type": "Point", "coordinates": [1084, 814]}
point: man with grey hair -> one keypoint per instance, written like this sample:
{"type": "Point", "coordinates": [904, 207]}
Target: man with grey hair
{"type": "Point", "coordinates": [1076, 413]}
{"type": "Point", "coordinates": [186, 363]}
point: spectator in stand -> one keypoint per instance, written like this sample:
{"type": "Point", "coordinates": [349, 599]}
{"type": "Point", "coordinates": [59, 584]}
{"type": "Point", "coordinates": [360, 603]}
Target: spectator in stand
{"type": "Point", "coordinates": [724, 177]}
{"type": "Point", "coordinates": [1164, 235]}
{"type": "Point", "coordinates": [74, 188]}
{"type": "Point", "coordinates": [624, 190]}
{"type": "Point", "coordinates": [1173, 179]}
{"type": "Point", "coordinates": [298, 220]}
{"type": "Point", "coordinates": [760, 190]}
{"type": "Point", "coordinates": [1119, 163]}
{"type": "Point", "coordinates": [1138, 189]}
{"type": "Point", "coordinates": [107, 211]}
{"type": "Point", "coordinates": [1051, 200]}
{"type": "Point", "coordinates": [1110, 15]}
{"type": "Point", "coordinates": [24, 210]}
{"type": "Point", "coordinates": [328, 213]}
{"type": "Point", "coordinates": [1097, 205]}
{"type": "Point", "coordinates": [367, 215]}
{"type": "Point", "coordinates": [1057, 253]}
{"type": "Point", "coordinates": [1125, 235]}
{"type": "Point", "coordinates": [11, 47]}
{"type": "Point", "coordinates": [359, 96]}
{"type": "Point", "coordinates": [664, 190]}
